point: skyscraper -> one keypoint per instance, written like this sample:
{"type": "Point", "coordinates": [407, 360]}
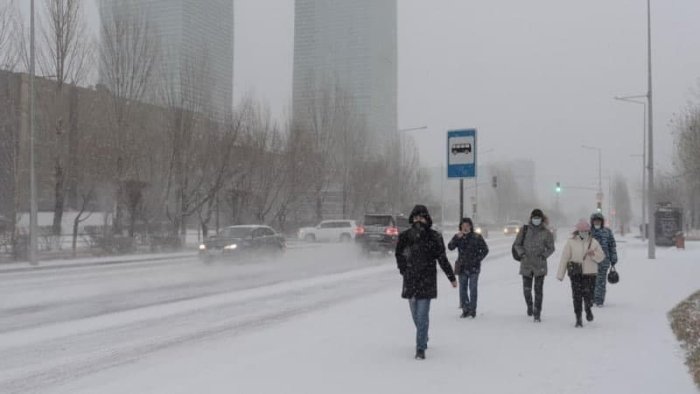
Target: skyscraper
{"type": "Point", "coordinates": [348, 46]}
{"type": "Point", "coordinates": [195, 40]}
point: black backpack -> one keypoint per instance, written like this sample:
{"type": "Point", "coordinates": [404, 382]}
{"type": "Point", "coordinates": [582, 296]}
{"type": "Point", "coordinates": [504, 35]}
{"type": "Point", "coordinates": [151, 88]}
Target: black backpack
{"type": "Point", "coordinates": [517, 257]}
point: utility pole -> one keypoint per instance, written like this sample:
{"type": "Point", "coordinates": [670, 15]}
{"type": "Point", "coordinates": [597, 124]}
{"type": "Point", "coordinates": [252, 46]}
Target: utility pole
{"type": "Point", "coordinates": [33, 208]}
{"type": "Point", "coordinates": [651, 198]}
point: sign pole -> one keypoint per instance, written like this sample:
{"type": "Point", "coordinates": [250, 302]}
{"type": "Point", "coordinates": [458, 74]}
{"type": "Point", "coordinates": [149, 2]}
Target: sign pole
{"type": "Point", "coordinates": [461, 199]}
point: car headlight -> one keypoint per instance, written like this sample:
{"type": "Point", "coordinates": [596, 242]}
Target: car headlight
{"type": "Point", "coordinates": [231, 247]}
{"type": "Point", "coordinates": [202, 247]}
{"type": "Point", "coordinates": [517, 230]}
{"type": "Point", "coordinates": [505, 230]}
{"type": "Point", "coordinates": [478, 230]}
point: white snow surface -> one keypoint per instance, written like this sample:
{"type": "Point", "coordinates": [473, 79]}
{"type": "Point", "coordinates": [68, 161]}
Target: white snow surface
{"type": "Point", "coordinates": [324, 321]}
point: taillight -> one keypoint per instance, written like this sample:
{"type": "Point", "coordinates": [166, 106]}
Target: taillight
{"type": "Point", "coordinates": [393, 231]}
{"type": "Point", "coordinates": [359, 230]}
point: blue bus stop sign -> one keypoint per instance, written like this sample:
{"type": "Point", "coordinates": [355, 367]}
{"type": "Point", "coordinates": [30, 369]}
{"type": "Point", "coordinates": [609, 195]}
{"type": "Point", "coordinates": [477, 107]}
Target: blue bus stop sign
{"type": "Point", "coordinates": [461, 153]}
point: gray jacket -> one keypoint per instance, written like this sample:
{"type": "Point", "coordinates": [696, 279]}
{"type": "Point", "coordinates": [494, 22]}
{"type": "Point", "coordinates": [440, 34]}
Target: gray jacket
{"type": "Point", "coordinates": [538, 246]}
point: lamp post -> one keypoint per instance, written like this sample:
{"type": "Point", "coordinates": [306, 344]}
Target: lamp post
{"type": "Point", "coordinates": [632, 99]}
{"type": "Point", "coordinates": [651, 251]}
{"type": "Point", "coordinates": [33, 209]}
{"type": "Point", "coordinates": [600, 173]}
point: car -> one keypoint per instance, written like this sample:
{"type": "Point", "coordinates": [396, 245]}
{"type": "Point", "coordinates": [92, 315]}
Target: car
{"type": "Point", "coordinates": [242, 241]}
{"type": "Point", "coordinates": [380, 232]}
{"type": "Point", "coordinates": [482, 229]}
{"type": "Point", "coordinates": [329, 231]}
{"type": "Point", "coordinates": [512, 227]}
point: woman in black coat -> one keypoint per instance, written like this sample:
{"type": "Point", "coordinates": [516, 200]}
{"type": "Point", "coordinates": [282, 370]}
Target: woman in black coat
{"type": "Point", "coordinates": [472, 250]}
{"type": "Point", "coordinates": [417, 252]}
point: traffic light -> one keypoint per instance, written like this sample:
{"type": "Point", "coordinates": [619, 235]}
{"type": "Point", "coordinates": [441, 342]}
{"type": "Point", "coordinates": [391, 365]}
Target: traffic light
{"type": "Point", "coordinates": [494, 182]}
{"type": "Point", "coordinates": [558, 188]}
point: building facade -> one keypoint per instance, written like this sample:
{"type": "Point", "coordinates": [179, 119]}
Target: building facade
{"type": "Point", "coordinates": [348, 47]}
{"type": "Point", "coordinates": [195, 42]}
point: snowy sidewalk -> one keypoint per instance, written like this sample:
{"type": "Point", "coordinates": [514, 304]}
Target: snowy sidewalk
{"type": "Point", "coordinates": [366, 344]}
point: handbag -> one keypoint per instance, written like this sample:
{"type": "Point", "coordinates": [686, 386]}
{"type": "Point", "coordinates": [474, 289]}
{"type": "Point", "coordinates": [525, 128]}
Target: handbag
{"type": "Point", "coordinates": [613, 276]}
{"type": "Point", "coordinates": [574, 268]}
{"type": "Point", "coordinates": [516, 256]}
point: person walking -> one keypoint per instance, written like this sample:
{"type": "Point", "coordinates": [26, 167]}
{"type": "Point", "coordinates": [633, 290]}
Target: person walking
{"type": "Point", "coordinates": [580, 260]}
{"type": "Point", "coordinates": [606, 239]}
{"type": "Point", "coordinates": [418, 250]}
{"type": "Point", "coordinates": [532, 247]}
{"type": "Point", "coordinates": [472, 250]}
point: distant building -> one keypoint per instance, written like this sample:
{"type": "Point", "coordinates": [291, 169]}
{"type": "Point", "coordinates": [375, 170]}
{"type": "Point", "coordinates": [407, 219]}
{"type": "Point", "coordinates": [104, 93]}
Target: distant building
{"type": "Point", "coordinates": [190, 34]}
{"type": "Point", "coordinates": [350, 46]}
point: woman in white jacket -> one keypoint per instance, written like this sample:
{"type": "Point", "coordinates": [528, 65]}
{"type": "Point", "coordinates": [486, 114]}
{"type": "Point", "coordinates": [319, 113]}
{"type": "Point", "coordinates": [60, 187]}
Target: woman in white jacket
{"type": "Point", "coordinates": [580, 260]}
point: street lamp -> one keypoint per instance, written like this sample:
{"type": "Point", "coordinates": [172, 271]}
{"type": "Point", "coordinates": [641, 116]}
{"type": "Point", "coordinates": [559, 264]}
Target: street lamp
{"type": "Point", "coordinates": [600, 173]}
{"type": "Point", "coordinates": [632, 99]}
{"type": "Point", "coordinates": [650, 191]}
{"type": "Point", "coordinates": [33, 209]}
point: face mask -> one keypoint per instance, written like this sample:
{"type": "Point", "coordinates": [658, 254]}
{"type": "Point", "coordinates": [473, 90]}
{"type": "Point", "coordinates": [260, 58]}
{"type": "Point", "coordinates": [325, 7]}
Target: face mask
{"type": "Point", "coordinates": [536, 221]}
{"type": "Point", "coordinates": [583, 234]}
{"type": "Point", "coordinates": [597, 226]}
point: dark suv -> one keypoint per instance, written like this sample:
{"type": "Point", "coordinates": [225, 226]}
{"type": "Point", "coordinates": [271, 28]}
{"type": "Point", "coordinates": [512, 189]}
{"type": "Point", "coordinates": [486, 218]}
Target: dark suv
{"type": "Point", "coordinates": [380, 232]}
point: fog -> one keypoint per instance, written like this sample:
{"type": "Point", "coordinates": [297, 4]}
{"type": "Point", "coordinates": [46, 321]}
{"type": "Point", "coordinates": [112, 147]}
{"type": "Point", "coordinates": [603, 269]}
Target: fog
{"type": "Point", "coordinates": [537, 80]}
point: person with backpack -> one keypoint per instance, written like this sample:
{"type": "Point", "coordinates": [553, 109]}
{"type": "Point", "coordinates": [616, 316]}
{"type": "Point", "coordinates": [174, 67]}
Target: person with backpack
{"type": "Point", "coordinates": [532, 247]}
{"type": "Point", "coordinates": [580, 259]}
{"type": "Point", "coordinates": [418, 250]}
{"type": "Point", "coordinates": [606, 239]}
{"type": "Point", "coordinates": [472, 250]}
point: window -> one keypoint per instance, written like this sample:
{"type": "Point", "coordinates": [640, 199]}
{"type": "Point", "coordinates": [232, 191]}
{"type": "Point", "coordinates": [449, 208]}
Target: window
{"type": "Point", "coordinates": [327, 225]}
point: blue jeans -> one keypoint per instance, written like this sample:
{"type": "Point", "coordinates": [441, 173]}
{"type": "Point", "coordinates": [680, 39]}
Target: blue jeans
{"type": "Point", "coordinates": [601, 281]}
{"type": "Point", "coordinates": [420, 310]}
{"type": "Point", "coordinates": [468, 291]}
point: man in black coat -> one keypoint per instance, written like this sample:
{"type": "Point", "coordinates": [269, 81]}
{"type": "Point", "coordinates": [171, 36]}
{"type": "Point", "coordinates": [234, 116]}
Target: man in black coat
{"type": "Point", "coordinates": [417, 251]}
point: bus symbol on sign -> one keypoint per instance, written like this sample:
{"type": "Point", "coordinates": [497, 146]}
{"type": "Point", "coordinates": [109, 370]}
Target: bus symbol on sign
{"type": "Point", "coordinates": [461, 148]}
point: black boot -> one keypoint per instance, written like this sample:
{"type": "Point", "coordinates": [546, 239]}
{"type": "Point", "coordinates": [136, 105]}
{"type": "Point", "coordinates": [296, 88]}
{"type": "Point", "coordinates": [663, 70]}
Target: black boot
{"type": "Point", "coordinates": [473, 314]}
{"type": "Point", "coordinates": [529, 310]}
{"type": "Point", "coordinates": [589, 314]}
{"type": "Point", "coordinates": [420, 354]}
{"type": "Point", "coordinates": [579, 322]}
{"type": "Point", "coordinates": [465, 314]}
{"type": "Point", "coordinates": [536, 312]}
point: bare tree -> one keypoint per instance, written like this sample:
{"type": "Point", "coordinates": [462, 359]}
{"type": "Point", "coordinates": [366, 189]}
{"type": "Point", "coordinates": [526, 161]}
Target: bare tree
{"type": "Point", "coordinates": [687, 129]}
{"type": "Point", "coordinates": [128, 54]}
{"type": "Point", "coordinates": [199, 148]}
{"type": "Point", "coordinates": [65, 55]}
{"type": "Point", "coordinates": [9, 23]}
{"type": "Point", "coordinates": [82, 215]}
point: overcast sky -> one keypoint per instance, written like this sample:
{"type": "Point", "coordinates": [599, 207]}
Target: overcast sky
{"type": "Point", "coordinates": [537, 78]}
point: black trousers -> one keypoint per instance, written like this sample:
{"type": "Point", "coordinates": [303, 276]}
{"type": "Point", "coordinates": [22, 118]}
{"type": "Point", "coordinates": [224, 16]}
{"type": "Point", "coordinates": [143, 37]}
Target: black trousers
{"type": "Point", "coordinates": [582, 288]}
{"type": "Point", "coordinates": [527, 291]}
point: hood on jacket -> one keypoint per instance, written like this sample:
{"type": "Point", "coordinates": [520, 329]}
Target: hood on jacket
{"type": "Point", "coordinates": [421, 210]}
{"type": "Point", "coordinates": [597, 216]}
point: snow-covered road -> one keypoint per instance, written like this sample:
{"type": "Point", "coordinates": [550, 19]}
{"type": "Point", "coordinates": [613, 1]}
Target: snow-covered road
{"type": "Point", "coordinates": [322, 320]}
